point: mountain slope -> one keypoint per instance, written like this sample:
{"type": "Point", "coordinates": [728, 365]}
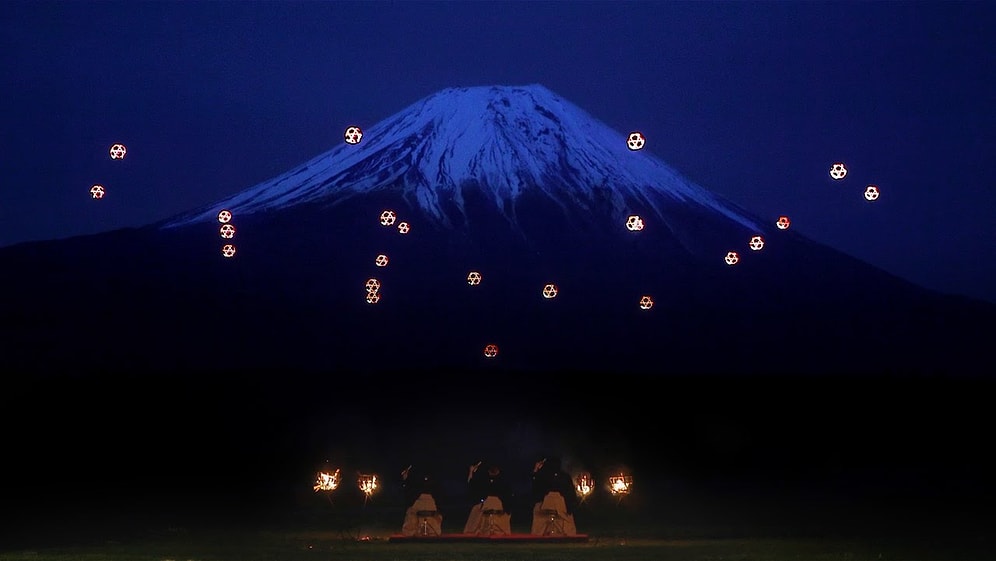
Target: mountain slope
{"type": "Point", "coordinates": [497, 142]}
{"type": "Point", "coordinates": [512, 182]}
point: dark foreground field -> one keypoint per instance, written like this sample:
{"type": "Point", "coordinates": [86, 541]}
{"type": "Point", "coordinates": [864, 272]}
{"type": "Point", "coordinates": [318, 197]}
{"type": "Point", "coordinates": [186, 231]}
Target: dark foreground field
{"type": "Point", "coordinates": [219, 466]}
{"type": "Point", "coordinates": [370, 542]}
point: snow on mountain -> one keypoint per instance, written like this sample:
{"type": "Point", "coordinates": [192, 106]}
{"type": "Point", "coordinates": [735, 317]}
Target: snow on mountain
{"type": "Point", "coordinates": [502, 140]}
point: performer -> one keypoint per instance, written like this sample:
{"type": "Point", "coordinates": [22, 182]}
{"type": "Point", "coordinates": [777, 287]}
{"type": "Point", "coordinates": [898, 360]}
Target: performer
{"type": "Point", "coordinates": [489, 495]}
{"type": "Point", "coordinates": [420, 492]}
{"type": "Point", "coordinates": [554, 499]}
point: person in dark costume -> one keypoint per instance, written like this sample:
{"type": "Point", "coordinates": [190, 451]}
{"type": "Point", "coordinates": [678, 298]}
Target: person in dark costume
{"type": "Point", "coordinates": [421, 494]}
{"type": "Point", "coordinates": [554, 499]}
{"type": "Point", "coordinates": [490, 497]}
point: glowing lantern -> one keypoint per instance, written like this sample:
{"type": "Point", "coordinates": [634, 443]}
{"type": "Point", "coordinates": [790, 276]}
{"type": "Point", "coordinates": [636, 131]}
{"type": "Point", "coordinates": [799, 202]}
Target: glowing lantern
{"type": "Point", "coordinates": [474, 278]}
{"type": "Point", "coordinates": [838, 171]}
{"type": "Point", "coordinates": [756, 243]}
{"type": "Point", "coordinates": [732, 258]}
{"type": "Point", "coordinates": [228, 250]}
{"type": "Point", "coordinates": [326, 481]}
{"type": "Point", "coordinates": [387, 217]}
{"type": "Point", "coordinates": [227, 231]}
{"type": "Point", "coordinates": [373, 285]}
{"type": "Point", "coordinates": [646, 303]}
{"type": "Point", "coordinates": [353, 135]}
{"type": "Point", "coordinates": [634, 223]}
{"type": "Point", "coordinates": [871, 192]}
{"type": "Point", "coordinates": [367, 484]}
{"type": "Point", "coordinates": [584, 485]}
{"type": "Point", "coordinates": [490, 350]}
{"type": "Point", "coordinates": [620, 484]}
{"type": "Point", "coordinates": [636, 140]}
{"type": "Point", "coordinates": [381, 260]}
{"type": "Point", "coordinates": [225, 216]}
{"type": "Point", "coordinates": [403, 228]}
{"type": "Point", "coordinates": [783, 222]}
{"type": "Point", "coordinates": [550, 291]}
{"type": "Point", "coordinates": [373, 297]}
{"type": "Point", "coordinates": [97, 191]}
{"type": "Point", "coordinates": [118, 152]}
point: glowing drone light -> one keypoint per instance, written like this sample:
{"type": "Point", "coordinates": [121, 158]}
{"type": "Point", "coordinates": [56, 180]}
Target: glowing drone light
{"type": "Point", "coordinates": [373, 297]}
{"type": "Point", "coordinates": [227, 231]}
{"type": "Point", "coordinates": [490, 350]}
{"type": "Point", "coordinates": [326, 481]}
{"type": "Point", "coordinates": [404, 228]}
{"type": "Point", "coordinates": [381, 260]}
{"type": "Point", "coordinates": [756, 243]}
{"type": "Point", "coordinates": [550, 291]}
{"type": "Point", "coordinates": [474, 278]}
{"type": "Point", "coordinates": [353, 135]}
{"type": "Point", "coordinates": [118, 152]}
{"type": "Point", "coordinates": [646, 303]}
{"type": "Point", "coordinates": [620, 484]}
{"type": "Point", "coordinates": [732, 258]}
{"type": "Point", "coordinates": [634, 223]}
{"type": "Point", "coordinates": [228, 250]}
{"type": "Point", "coordinates": [783, 222]}
{"type": "Point", "coordinates": [225, 216]}
{"type": "Point", "coordinates": [871, 192]}
{"type": "Point", "coordinates": [97, 192]}
{"type": "Point", "coordinates": [388, 217]}
{"type": "Point", "coordinates": [584, 485]}
{"type": "Point", "coordinates": [838, 170]}
{"type": "Point", "coordinates": [372, 285]}
{"type": "Point", "coordinates": [635, 140]}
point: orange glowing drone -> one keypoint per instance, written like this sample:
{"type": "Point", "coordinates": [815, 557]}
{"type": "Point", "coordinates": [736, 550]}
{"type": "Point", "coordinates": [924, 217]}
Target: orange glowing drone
{"type": "Point", "coordinates": [118, 152]}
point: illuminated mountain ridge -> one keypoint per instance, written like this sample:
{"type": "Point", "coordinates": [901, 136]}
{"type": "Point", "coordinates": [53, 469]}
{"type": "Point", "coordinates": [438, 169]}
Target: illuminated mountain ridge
{"type": "Point", "coordinates": [504, 141]}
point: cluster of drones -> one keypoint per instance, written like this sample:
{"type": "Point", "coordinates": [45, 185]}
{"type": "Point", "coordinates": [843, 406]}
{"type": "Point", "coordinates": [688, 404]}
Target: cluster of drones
{"type": "Point", "coordinates": [838, 171]}
{"type": "Point", "coordinates": [353, 135]}
{"type": "Point", "coordinates": [227, 232]}
{"type": "Point", "coordinates": [117, 152]}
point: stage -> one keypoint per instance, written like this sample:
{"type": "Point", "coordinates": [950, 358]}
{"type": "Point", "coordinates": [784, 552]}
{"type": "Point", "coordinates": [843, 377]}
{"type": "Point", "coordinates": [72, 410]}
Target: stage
{"type": "Point", "coordinates": [494, 538]}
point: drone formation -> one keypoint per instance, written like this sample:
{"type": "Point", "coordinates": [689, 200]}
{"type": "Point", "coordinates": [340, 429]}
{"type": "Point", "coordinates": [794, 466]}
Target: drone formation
{"type": "Point", "coordinates": [838, 171]}
{"type": "Point", "coordinates": [117, 152]}
{"type": "Point", "coordinates": [353, 135]}
{"type": "Point", "coordinates": [227, 232]}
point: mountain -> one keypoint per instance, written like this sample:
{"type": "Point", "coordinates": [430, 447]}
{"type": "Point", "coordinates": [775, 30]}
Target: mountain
{"type": "Point", "coordinates": [500, 143]}
{"type": "Point", "coordinates": [513, 182]}
{"type": "Point", "coordinates": [796, 362]}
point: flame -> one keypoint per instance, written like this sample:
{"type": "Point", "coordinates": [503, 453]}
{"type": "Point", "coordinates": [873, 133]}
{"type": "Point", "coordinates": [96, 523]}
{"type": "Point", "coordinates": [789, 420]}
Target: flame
{"type": "Point", "coordinates": [327, 481]}
{"type": "Point", "coordinates": [585, 485]}
{"type": "Point", "coordinates": [367, 483]}
{"type": "Point", "coordinates": [620, 484]}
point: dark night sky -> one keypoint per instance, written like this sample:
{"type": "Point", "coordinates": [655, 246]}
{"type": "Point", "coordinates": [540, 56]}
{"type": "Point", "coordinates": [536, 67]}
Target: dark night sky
{"type": "Point", "coordinates": [753, 100]}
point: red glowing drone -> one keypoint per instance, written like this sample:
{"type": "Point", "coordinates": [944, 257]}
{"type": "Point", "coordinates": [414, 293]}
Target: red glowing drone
{"type": "Point", "coordinates": [353, 135]}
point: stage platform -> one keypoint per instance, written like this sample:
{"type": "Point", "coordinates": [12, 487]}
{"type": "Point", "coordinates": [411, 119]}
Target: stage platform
{"type": "Point", "coordinates": [495, 538]}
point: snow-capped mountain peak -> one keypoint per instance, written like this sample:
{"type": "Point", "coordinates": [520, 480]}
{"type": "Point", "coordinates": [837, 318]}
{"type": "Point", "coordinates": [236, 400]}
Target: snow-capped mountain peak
{"type": "Point", "coordinates": [502, 140]}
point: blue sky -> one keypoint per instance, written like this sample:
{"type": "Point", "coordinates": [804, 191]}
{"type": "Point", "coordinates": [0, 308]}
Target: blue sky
{"type": "Point", "coordinates": [752, 100]}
